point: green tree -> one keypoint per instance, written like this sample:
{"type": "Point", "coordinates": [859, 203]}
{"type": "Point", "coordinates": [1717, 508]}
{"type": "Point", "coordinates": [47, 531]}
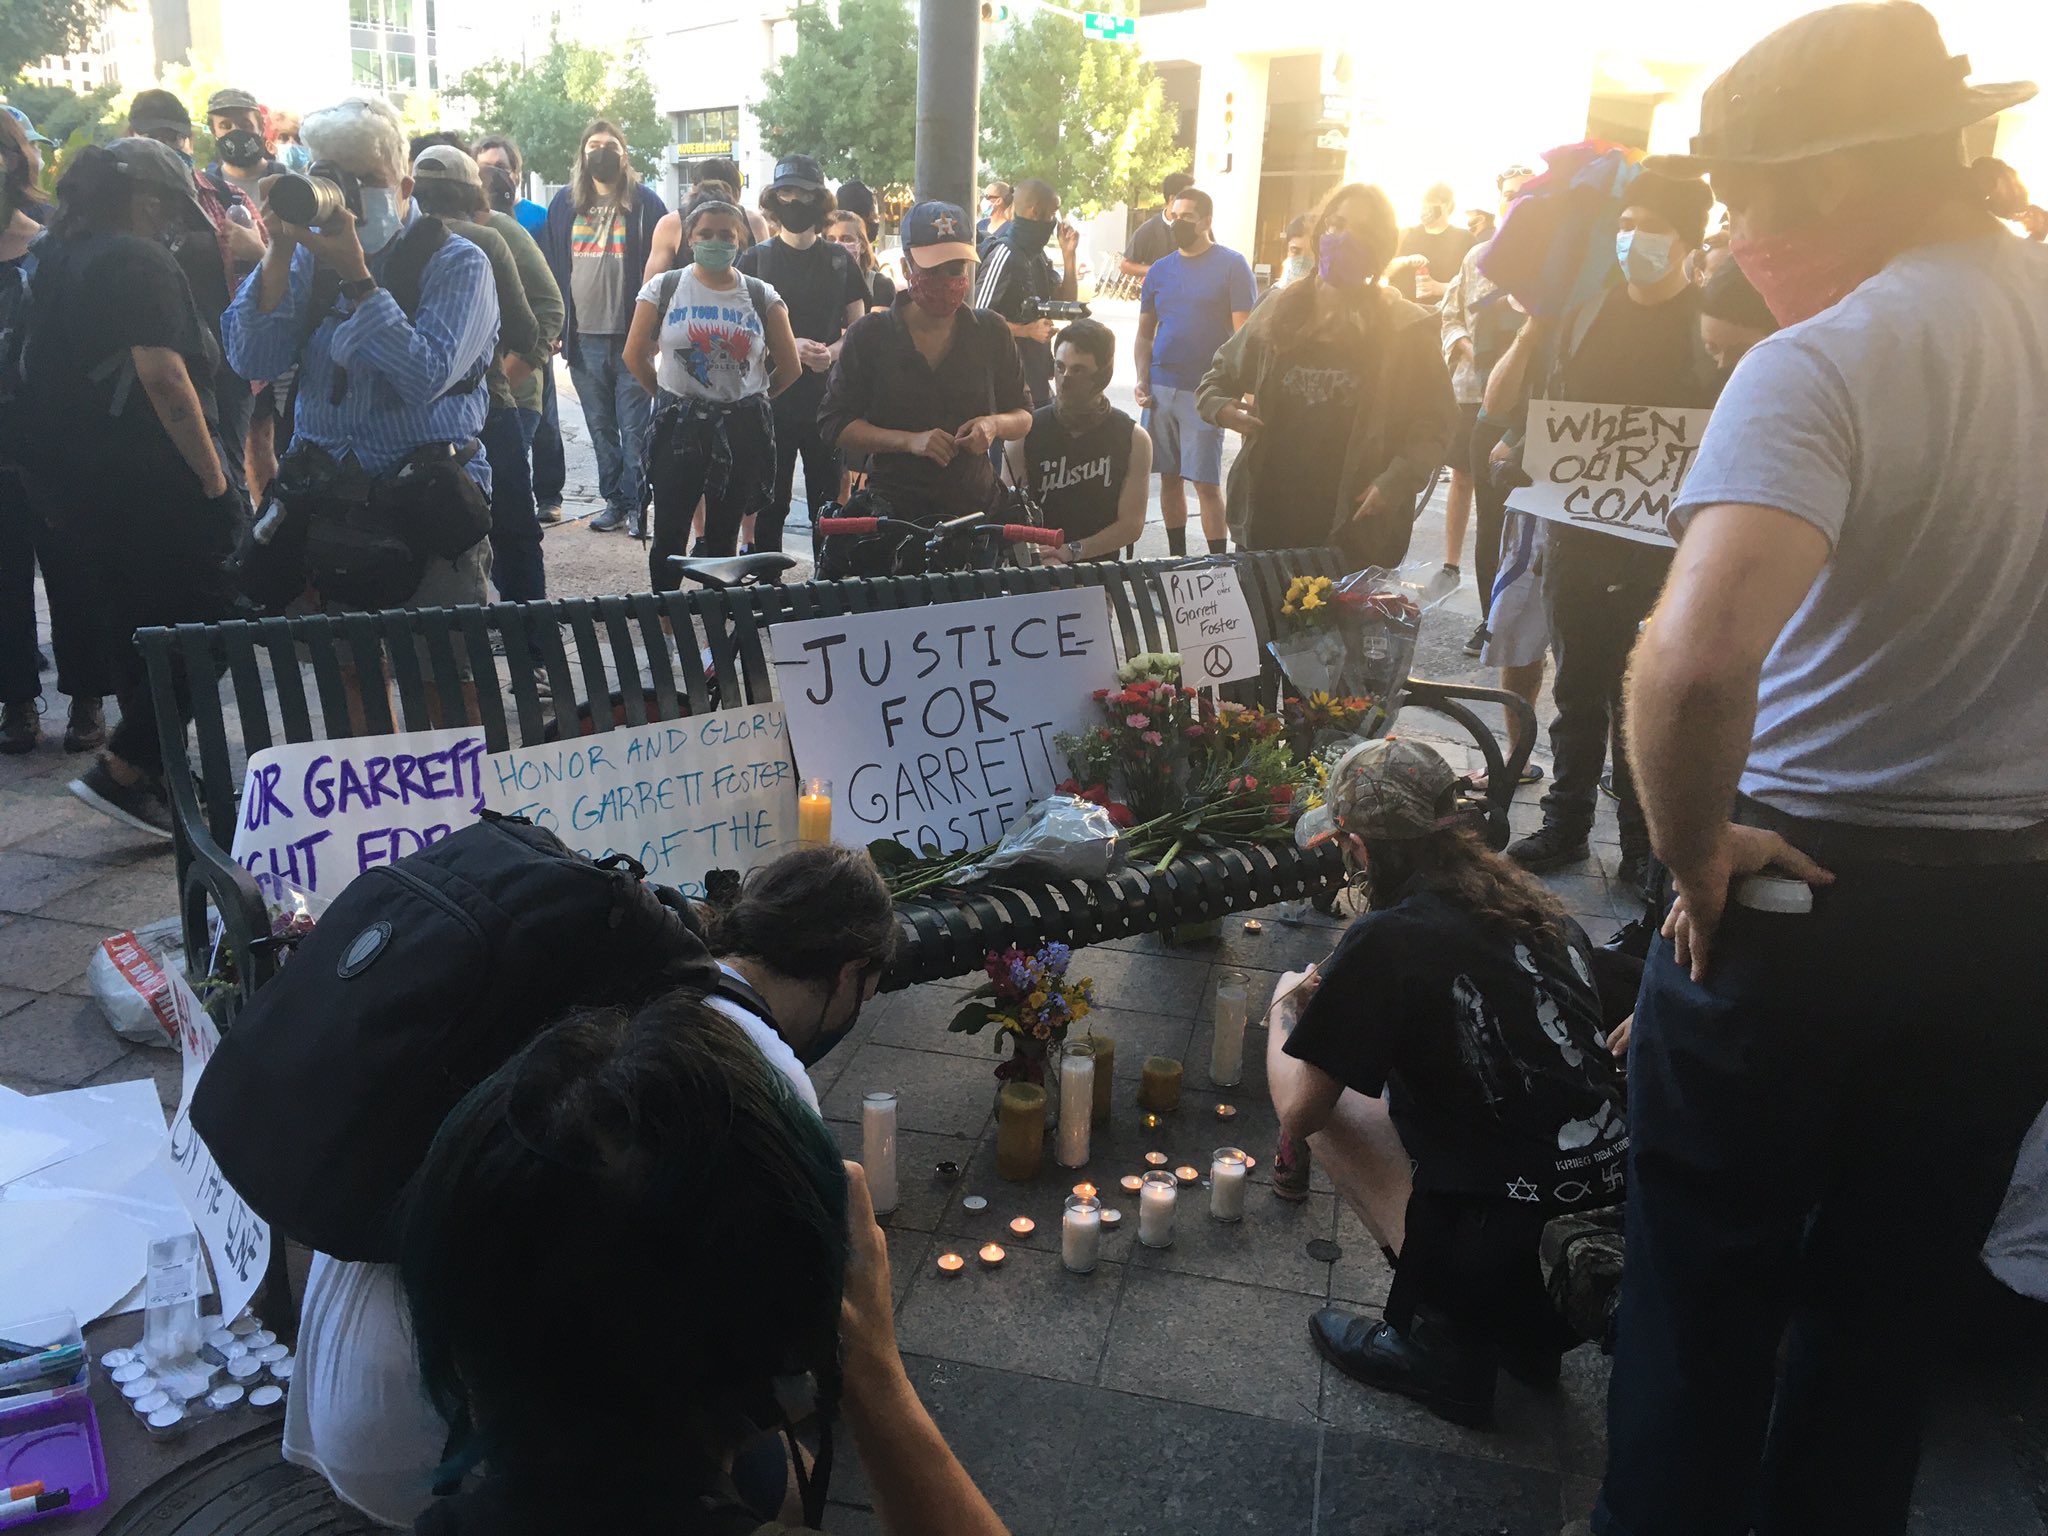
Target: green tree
{"type": "Point", "coordinates": [546, 104]}
{"type": "Point", "coordinates": [58, 111]}
{"type": "Point", "coordinates": [35, 29]}
{"type": "Point", "coordinates": [848, 95]}
{"type": "Point", "coordinates": [1091, 118]}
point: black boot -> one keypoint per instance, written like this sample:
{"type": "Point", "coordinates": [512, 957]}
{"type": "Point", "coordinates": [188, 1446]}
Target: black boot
{"type": "Point", "coordinates": [1551, 846]}
{"type": "Point", "coordinates": [1427, 1361]}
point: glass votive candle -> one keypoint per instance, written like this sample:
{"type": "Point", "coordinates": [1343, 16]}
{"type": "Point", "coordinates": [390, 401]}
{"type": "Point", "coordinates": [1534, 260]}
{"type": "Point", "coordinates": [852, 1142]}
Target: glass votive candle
{"type": "Point", "coordinates": [1081, 1234]}
{"type": "Point", "coordinates": [814, 812]}
{"type": "Point", "coordinates": [1155, 1209]}
{"type": "Point", "coordinates": [1226, 1184]}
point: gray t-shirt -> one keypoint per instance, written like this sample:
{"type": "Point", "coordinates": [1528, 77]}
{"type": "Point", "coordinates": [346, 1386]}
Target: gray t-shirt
{"type": "Point", "coordinates": [1910, 425]}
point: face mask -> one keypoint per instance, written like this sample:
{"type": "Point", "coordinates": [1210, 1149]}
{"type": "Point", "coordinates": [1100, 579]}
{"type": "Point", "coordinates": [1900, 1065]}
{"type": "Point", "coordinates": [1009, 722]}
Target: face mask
{"type": "Point", "coordinates": [821, 1044]}
{"type": "Point", "coordinates": [939, 297]}
{"type": "Point", "coordinates": [498, 187]}
{"type": "Point", "coordinates": [380, 219]}
{"type": "Point", "coordinates": [604, 163]}
{"type": "Point", "coordinates": [1185, 235]}
{"type": "Point", "coordinates": [1031, 234]}
{"type": "Point", "coordinates": [1298, 266]}
{"type": "Point", "coordinates": [241, 147]}
{"type": "Point", "coordinates": [1435, 213]}
{"type": "Point", "coordinates": [1645, 258]}
{"type": "Point", "coordinates": [714, 255]}
{"type": "Point", "coordinates": [798, 215]}
{"type": "Point", "coordinates": [295, 157]}
{"type": "Point", "coordinates": [1804, 271]}
{"type": "Point", "coordinates": [1344, 262]}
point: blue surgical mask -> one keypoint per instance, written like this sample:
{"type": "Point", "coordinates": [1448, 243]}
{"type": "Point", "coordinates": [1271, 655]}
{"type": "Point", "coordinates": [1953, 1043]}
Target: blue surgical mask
{"type": "Point", "coordinates": [714, 255]}
{"type": "Point", "coordinates": [1645, 258]}
{"type": "Point", "coordinates": [1299, 265]}
{"type": "Point", "coordinates": [294, 157]}
{"type": "Point", "coordinates": [380, 219]}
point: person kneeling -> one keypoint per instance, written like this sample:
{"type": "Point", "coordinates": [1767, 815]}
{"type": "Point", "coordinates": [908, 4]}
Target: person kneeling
{"type": "Point", "coordinates": [1465, 996]}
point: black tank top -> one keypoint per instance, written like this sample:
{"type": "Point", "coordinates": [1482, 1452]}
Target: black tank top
{"type": "Point", "coordinates": [1077, 477]}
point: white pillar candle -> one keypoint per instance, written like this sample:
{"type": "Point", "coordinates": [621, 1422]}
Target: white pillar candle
{"type": "Point", "coordinates": [1226, 1184]}
{"type": "Point", "coordinates": [1081, 1234]}
{"type": "Point", "coordinates": [1226, 1051]}
{"type": "Point", "coordinates": [878, 1149]}
{"type": "Point", "coordinates": [1077, 1104]}
{"type": "Point", "coordinates": [1155, 1210]}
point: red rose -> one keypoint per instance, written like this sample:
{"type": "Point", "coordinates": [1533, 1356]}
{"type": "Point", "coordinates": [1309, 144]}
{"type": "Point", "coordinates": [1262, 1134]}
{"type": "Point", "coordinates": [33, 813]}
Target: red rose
{"type": "Point", "coordinates": [1283, 794]}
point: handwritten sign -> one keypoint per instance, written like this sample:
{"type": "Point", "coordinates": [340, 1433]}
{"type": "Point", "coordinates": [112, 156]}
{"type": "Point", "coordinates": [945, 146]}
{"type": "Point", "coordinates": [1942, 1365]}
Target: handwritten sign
{"type": "Point", "coordinates": [936, 725]}
{"type": "Point", "coordinates": [317, 814]}
{"type": "Point", "coordinates": [236, 1238]}
{"type": "Point", "coordinates": [715, 791]}
{"type": "Point", "coordinates": [1212, 625]}
{"type": "Point", "coordinates": [1612, 468]}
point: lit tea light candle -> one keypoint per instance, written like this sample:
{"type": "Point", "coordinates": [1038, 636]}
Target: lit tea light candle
{"type": "Point", "coordinates": [1156, 1159]}
{"type": "Point", "coordinates": [814, 812]}
{"type": "Point", "coordinates": [1151, 1122]}
{"type": "Point", "coordinates": [951, 1264]}
{"type": "Point", "coordinates": [1023, 1226]}
{"type": "Point", "coordinates": [1131, 1183]}
{"type": "Point", "coordinates": [1253, 925]}
{"type": "Point", "coordinates": [1081, 1234]}
{"type": "Point", "coordinates": [1155, 1210]}
{"type": "Point", "coordinates": [992, 1255]}
{"type": "Point", "coordinates": [1226, 1184]}
{"type": "Point", "coordinates": [1250, 1162]}
{"type": "Point", "coordinates": [1111, 1218]}
{"type": "Point", "coordinates": [1226, 1111]}
{"type": "Point", "coordinates": [1188, 1175]}
{"type": "Point", "coordinates": [1085, 1192]}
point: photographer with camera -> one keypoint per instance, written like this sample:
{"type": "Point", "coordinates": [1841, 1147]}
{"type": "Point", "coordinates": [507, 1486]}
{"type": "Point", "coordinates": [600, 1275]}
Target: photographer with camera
{"type": "Point", "coordinates": [393, 323]}
{"type": "Point", "coordinates": [1018, 282]}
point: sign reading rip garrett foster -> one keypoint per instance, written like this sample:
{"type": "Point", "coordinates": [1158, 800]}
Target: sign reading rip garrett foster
{"type": "Point", "coordinates": [935, 725]}
{"type": "Point", "coordinates": [1612, 468]}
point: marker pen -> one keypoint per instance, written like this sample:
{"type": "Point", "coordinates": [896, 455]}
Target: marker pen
{"type": "Point", "coordinates": [60, 1361]}
{"type": "Point", "coordinates": [39, 1504]}
{"type": "Point", "coordinates": [23, 1490]}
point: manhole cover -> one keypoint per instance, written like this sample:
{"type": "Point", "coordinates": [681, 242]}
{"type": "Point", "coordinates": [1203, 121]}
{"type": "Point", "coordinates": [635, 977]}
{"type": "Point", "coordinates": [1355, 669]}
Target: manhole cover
{"type": "Point", "coordinates": [242, 1488]}
{"type": "Point", "coordinates": [1323, 1251]}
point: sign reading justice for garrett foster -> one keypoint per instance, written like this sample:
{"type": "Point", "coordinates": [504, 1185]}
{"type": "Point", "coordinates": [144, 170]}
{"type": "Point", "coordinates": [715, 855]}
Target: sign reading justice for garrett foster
{"type": "Point", "coordinates": [1611, 468]}
{"type": "Point", "coordinates": [936, 725]}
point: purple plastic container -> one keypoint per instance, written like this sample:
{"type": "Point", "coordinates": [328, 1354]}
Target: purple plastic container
{"type": "Point", "coordinates": [57, 1443]}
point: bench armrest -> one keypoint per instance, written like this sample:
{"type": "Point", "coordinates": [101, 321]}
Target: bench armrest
{"type": "Point", "coordinates": [210, 877]}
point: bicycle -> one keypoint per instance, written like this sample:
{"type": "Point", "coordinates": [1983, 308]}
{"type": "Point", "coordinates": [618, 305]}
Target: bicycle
{"type": "Point", "coordinates": [896, 546]}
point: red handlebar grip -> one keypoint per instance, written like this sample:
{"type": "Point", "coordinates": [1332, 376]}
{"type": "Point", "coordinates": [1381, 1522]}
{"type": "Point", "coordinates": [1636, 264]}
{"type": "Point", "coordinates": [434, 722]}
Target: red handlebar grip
{"type": "Point", "coordinates": [1024, 533]}
{"type": "Point", "coordinates": [830, 525]}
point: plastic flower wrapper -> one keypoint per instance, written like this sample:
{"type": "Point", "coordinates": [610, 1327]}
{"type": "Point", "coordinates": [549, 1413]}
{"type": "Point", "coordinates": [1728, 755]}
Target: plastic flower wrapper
{"type": "Point", "coordinates": [1062, 835]}
{"type": "Point", "coordinates": [1368, 645]}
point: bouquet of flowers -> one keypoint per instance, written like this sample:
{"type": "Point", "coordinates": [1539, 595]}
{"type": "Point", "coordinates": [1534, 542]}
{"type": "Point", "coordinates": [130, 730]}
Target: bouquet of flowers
{"type": "Point", "coordinates": [1356, 640]}
{"type": "Point", "coordinates": [1140, 748]}
{"type": "Point", "coordinates": [1320, 718]}
{"type": "Point", "coordinates": [1307, 601]}
{"type": "Point", "coordinates": [1032, 1002]}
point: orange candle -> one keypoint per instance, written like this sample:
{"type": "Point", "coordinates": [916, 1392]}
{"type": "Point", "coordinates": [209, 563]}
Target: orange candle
{"type": "Point", "coordinates": [814, 812]}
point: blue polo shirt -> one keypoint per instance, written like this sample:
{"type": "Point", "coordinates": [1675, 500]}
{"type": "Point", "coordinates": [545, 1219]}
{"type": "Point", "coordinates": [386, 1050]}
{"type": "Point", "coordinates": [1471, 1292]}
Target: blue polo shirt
{"type": "Point", "coordinates": [1194, 298]}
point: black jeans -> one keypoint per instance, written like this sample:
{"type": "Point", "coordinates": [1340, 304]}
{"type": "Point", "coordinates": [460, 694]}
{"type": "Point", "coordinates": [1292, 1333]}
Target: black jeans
{"type": "Point", "coordinates": [1474, 1260]}
{"type": "Point", "coordinates": [1597, 590]}
{"type": "Point", "coordinates": [78, 622]}
{"type": "Point", "coordinates": [724, 454]}
{"type": "Point", "coordinates": [796, 432]}
{"type": "Point", "coordinates": [517, 567]}
{"type": "Point", "coordinates": [1490, 510]}
{"type": "Point", "coordinates": [1821, 1135]}
{"type": "Point", "coordinates": [550, 466]}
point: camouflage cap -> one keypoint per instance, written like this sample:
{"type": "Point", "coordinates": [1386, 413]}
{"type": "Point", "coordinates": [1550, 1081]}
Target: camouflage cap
{"type": "Point", "coordinates": [1386, 789]}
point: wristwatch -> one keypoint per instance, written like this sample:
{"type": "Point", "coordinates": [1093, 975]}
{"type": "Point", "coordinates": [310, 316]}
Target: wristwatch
{"type": "Point", "coordinates": [357, 289]}
{"type": "Point", "coordinates": [1071, 549]}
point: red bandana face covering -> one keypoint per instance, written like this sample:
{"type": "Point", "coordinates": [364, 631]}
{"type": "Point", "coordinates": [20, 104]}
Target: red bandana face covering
{"type": "Point", "coordinates": [1804, 271]}
{"type": "Point", "coordinates": [940, 297]}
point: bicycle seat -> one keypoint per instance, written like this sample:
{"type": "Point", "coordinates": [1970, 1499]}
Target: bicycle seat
{"type": "Point", "coordinates": [719, 572]}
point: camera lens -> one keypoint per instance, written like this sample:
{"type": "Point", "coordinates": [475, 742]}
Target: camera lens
{"type": "Point", "coordinates": [305, 200]}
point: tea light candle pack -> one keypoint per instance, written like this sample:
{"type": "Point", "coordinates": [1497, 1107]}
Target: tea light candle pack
{"type": "Point", "coordinates": [814, 812]}
{"type": "Point", "coordinates": [1155, 1210]}
{"type": "Point", "coordinates": [1077, 1103]}
{"type": "Point", "coordinates": [1081, 1234]}
{"type": "Point", "coordinates": [1226, 1051]}
{"type": "Point", "coordinates": [1159, 1089]}
{"type": "Point", "coordinates": [878, 1148]}
{"type": "Point", "coordinates": [1226, 1184]}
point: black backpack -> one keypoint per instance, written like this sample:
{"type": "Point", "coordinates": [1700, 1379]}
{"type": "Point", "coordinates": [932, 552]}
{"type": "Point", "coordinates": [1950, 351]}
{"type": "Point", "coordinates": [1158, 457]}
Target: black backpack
{"type": "Point", "coordinates": [420, 980]}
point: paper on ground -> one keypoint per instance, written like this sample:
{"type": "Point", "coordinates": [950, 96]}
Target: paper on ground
{"type": "Point", "coordinates": [33, 1135]}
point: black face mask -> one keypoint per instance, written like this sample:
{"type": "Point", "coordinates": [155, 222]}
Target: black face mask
{"type": "Point", "coordinates": [798, 214]}
{"type": "Point", "coordinates": [1031, 233]}
{"type": "Point", "coordinates": [498, 187]}
{"type": "Point", "coordinates": [604, 163]}
{"type": "Point", "coordinates": [1185, 235]}
{"type": "Point", "coordinates": [820, 1045]}
{"type": "Point", "coordinates": [241, 147]}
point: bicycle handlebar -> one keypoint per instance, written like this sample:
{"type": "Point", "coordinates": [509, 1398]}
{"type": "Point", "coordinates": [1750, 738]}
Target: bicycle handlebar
{"type": "Point", "coordinates": [832, 525]}
{"type": "Point", "coordinates": [1024, 533]}
{"type": "Point", "coordinates": [1014, 533]}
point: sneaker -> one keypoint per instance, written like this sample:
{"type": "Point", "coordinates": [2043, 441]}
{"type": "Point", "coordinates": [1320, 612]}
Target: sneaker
{"type": "Point", "coordinates": [86, 730]}
{"type": "Point", "coordinates": [1607, 785]}
{"type": "Point", "coordinates": [1550, 846]}
{"type": "Point", "coordinates": [1638, 873]}
{"type": "Point", "coordinates": [137, 804]}
{"type": "Point", "coordinates": [610, 520]}
{"type": "Point", "coordinates": [547, 517]}
{"type": "Point", "coordinates": [1291, 1167]}
{"type": "Point", "coordinates": [1478, 641]}
{"type": "Point", "coordinates": [637, 526]}
{"type": "Point", "coordinates": [1451, 570]}
{"type": "Point", "coordinates": [20, 727]}
{"type": "Point", "coordinates": [1425, 1362]}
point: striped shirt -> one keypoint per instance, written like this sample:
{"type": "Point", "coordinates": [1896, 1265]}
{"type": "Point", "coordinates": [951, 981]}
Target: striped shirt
{"type": "Point", "coordinates": [398, 370]}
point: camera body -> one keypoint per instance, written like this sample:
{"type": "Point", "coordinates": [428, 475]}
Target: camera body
{"type": "Point", "coordinates": [312, 198]}
{"type": "Point", "coordinates": [1058, 311]}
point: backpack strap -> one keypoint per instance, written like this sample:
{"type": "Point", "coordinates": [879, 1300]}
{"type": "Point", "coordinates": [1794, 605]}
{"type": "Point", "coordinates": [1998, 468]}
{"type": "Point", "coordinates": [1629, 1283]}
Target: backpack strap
{"type": "Point", "coordinates": [757, 295]}
{"type": "Point", "coordinates": [671, 280]}
{"type": "Point", "coordinates": [735, 990]}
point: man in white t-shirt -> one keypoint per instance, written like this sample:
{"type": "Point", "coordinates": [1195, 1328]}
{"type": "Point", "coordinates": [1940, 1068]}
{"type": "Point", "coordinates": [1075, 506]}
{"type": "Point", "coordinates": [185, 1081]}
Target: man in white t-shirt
{"type": "Point", "coordinates": [1839, 722]}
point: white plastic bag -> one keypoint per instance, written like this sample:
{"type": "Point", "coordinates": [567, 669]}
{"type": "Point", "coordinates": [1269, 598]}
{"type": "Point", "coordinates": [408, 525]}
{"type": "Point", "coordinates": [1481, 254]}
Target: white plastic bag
{"type": "Point", "coordinates": [130, 975]}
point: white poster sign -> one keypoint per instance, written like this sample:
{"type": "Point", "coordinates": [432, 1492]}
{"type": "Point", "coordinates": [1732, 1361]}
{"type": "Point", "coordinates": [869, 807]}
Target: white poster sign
{"type": "Point", "coordinates": [317, 814]}
{"type": "Point", "coordinates": [236, 1238]}
{"type": "Point", "coordinates": [1212, 625]}
{"type": "Point", "coordinates": [715, 791]}
{"type": "Point", "coordinates": [936, 725]}
{"type": "Point", "coordinates": [1612, 468]}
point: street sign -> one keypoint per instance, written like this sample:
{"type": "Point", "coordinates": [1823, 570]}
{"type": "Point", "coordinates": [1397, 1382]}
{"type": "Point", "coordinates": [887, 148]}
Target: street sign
{"type": "Point", "coordinates": [1105, 28]}
{"type": "Point", "coordinates": [1335, 138]}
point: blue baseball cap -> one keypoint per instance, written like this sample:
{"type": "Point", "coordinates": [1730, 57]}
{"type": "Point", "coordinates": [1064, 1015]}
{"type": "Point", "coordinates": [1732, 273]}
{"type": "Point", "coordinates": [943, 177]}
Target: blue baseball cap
{"type": "Point", "coordinates": [936, 233]}
{"type": "Point", "coordinates": [27, 127]}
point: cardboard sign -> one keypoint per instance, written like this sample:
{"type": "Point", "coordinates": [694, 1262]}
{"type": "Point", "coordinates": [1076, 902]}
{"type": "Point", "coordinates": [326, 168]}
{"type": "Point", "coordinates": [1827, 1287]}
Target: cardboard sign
{"type": "Point", "coordinates": [236, 1238]}
{"type": "Point", "coordinates": [715, 791]}
{"type": "Point", "coordinates": [317, 814]}
{"type": "Point", "coordinates": [1212, 625]}
{"type": "Point", "coordinates": [1612, 468]}
{"type": "Point", "coordinates": [936, 725]}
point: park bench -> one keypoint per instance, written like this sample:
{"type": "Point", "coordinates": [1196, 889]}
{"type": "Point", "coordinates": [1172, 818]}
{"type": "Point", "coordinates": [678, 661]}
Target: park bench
{"type": "Point", "coordinates": [637, 658]}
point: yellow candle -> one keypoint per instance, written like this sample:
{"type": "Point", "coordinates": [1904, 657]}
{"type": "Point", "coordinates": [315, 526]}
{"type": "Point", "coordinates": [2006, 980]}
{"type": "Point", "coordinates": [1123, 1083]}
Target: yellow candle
{"type": "Point", "coordinates": [1020, 1131]}
{"type": "Point", "coordinates": [814, 812]}
{"type": "Point", "coordinates": [1159, 1088]}
{"type": "Point", "coordinates": [1105, 1073]}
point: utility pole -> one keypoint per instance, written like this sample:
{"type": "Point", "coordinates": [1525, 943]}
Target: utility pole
{"type": "Point", "coordinates": [948, 100]}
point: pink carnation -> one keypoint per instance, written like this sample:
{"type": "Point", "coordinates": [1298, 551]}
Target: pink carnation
{"type": "Point", "coordinates": [1152, 739]}
{"type": "Point", "coordinates": [1137, 722]}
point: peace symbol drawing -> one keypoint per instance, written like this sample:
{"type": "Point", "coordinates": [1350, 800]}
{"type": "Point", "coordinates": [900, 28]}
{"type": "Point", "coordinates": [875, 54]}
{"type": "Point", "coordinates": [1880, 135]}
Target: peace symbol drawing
{"type": "Point", "coordinates": [1216, 661]}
